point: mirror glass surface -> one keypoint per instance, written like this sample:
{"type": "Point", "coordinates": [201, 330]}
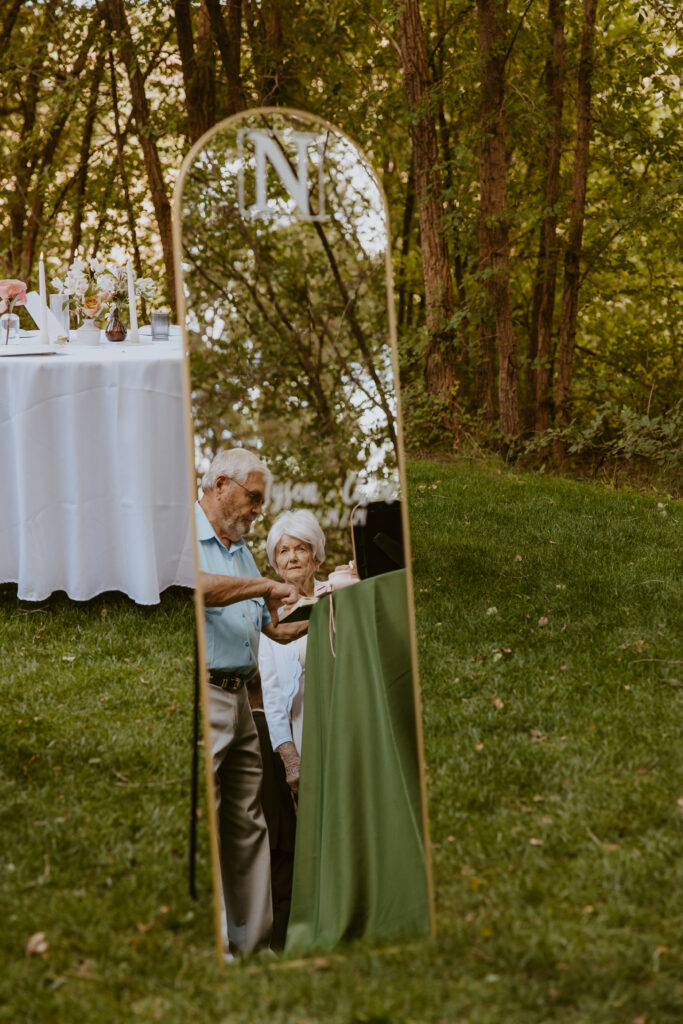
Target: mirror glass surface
{"type": "Point", "coordinates": [283, 236]}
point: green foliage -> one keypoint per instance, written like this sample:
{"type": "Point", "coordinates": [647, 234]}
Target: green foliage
{"type": "Point", "coordinates": [341, 60]}
{"type": "Point", "coordinates": [620, 437]}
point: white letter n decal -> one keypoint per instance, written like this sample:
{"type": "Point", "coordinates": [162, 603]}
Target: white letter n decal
{"type": "Point", "coordinates": [268, 148]}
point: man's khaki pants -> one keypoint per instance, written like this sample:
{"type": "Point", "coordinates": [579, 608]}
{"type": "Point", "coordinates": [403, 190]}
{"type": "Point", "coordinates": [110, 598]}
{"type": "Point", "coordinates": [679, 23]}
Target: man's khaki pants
{"type": "Point", "coordinates": [242, 832]}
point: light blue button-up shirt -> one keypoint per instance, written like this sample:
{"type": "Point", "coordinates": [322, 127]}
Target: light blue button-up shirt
{"type": "Point", "coordinates": [232, 632]}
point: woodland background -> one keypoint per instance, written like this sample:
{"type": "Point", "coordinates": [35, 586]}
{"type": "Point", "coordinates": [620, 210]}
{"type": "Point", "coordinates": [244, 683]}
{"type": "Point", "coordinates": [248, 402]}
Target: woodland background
{"type": "Point", "coordinates": [531, 152]}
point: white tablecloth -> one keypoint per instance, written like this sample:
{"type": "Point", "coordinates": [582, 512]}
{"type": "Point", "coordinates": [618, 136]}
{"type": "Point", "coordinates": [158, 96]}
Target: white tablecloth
{"type": "Point", "coordinates": [93, 482]}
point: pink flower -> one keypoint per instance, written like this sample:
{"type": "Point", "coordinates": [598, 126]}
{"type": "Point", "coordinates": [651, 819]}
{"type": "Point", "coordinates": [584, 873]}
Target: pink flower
{"type": "Point", "coordinates": [14, 291]}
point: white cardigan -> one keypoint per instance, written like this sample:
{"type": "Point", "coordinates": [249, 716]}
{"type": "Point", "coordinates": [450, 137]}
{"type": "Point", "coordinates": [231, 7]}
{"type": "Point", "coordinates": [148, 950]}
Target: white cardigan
{"type": "Point", "coordinates": [280, 678]}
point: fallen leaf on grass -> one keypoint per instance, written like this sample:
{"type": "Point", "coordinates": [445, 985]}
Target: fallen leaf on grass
{"type": "Point", "coordinates": [518, 558]}
{"type": "Point", "coordinates": [320, 963]}
{"type": "Point", "coordinates": [679, 802]}
{"type": "Point", "coordinates": [37, 944]}
{"type": "Point", "coordinates": [543, 621]}
{"type": "Point", "coordinates": [498, 703]}
{"type": "Point", "coordinates": [535, 842]}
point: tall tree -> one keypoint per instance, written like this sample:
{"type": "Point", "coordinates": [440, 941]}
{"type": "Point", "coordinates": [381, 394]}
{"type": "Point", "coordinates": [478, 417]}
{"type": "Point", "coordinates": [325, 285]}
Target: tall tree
{"type": "Point", "coordinates": [199, 78]}
{"type": "Point", "coordinates": [117, 21]}
{"type": "Point", "coordinates": [540, 340]}
{"type": "Point", "coordinates": [494, 250]}
{"type": "Point", "coordinates": [441, 358]}
{"type": "Point", "coordinates": [570, 293]}
{"type": "Point", "coordinates": [229, 41]}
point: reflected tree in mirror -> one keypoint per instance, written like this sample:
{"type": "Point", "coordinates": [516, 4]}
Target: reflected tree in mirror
{"type": "Point", "coordinates": [285, 241]}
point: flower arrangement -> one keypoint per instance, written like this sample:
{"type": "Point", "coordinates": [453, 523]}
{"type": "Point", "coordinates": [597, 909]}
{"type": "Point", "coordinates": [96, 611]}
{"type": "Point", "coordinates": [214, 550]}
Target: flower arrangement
{"type": "Point", "coordinates": [12, 293]}
{"type": "Point", "coordinates": [95, 286]}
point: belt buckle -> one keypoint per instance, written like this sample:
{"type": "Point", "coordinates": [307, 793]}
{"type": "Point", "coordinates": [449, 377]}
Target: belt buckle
{"type": "Point", "coordinates": [230, 683]}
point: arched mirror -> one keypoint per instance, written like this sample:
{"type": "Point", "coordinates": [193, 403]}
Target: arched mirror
{"type": "Point", "coordinates": [284, 277]}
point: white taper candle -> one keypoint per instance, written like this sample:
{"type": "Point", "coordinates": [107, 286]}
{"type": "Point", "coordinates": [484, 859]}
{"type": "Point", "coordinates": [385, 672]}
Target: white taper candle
{"type": "Point", "coordinates": [132, 311]}
{"type": "Point", "coordinates": [44, 337]}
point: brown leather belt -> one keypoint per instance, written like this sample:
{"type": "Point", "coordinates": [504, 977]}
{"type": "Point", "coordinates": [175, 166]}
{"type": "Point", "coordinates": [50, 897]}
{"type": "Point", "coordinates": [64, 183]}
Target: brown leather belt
{"type": "Point", "coordinates": [230, 681]}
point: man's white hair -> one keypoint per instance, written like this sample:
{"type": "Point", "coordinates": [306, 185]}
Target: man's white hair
{"type": "Point", "coordinates": [301, 524]}
{"type": "Point", "coordinates": [236, 463]}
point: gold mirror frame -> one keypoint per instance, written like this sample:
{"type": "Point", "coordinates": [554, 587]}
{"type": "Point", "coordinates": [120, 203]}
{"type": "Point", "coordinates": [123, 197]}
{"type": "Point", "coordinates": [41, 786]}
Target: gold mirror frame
{"type": "Point", "coordinates": [323, 126]}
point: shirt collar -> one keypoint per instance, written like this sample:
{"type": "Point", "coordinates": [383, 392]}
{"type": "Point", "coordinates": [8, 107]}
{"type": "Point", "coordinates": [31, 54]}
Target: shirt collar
{"type": "Point", "coordinates": [205, 531]}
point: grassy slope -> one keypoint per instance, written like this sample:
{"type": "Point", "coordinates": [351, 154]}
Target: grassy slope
{"type": "Point", "coordinates": [554, 763]}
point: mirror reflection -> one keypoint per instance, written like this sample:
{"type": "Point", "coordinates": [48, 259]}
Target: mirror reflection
{"type": "Point", "coordinates": [319, 818]}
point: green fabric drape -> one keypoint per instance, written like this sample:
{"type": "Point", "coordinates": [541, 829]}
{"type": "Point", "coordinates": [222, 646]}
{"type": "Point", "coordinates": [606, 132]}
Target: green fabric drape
{"type": "Point", "coordinates": [359, 867]}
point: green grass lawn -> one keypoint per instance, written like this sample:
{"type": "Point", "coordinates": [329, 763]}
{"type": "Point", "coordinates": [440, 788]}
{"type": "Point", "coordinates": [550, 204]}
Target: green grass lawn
{"type": "Point", "coordinates": [549, 621]}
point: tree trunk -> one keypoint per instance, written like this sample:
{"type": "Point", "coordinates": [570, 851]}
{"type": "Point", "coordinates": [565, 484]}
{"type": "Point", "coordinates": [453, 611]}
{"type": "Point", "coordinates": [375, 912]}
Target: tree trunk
{"type": "Point", "coordinates": [269, 84]}
{"type": "Point", "coordinates": [402, 284]}
{"type": "Point", "coordinates": [441, 361]}
{"type": "Point", "coordinates": [86, 142]}
{"type": "Point", "coordinates": [199, 79]}
{"type": "Point", "coordinates": [228, 39]}
{"type": "Point", "coordinates": [494, 252]}
{"type": "Point", "coordinates": [53, 135]}
{"type": "Point", "coordinates": [570, 294]}
{"type": "Point", "coordinates": [117, 21]}
{"type": "Point", "coordinates": [540, 342]}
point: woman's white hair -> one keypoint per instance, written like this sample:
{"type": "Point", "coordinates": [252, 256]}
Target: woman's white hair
{"type": "Point", "coordinates": [299, 523]}
{"type": "Point", "coordinates": [237, 463]}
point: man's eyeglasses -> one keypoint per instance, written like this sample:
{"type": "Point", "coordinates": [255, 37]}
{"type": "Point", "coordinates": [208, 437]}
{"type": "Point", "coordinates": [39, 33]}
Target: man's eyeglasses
{"type": "Point", "coordinates": [255, 497]}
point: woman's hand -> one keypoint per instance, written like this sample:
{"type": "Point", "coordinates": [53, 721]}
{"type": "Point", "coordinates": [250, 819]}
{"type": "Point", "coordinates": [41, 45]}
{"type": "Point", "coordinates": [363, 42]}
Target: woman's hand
{"type": "Point", "coordinates": [292, 763]}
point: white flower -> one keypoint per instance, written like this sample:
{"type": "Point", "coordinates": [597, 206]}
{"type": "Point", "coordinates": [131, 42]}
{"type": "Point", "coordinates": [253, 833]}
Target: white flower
{"type": "Point", "coordinates": [145, 287]}
{"type": "Point", "coordinates": [106, 283]}
{"type": "Point", "coordinates": [57, 285]}
{"type": "Point", "coordinates": [76, 281]}
{"type": "Point", "coordinates": [96, 265]}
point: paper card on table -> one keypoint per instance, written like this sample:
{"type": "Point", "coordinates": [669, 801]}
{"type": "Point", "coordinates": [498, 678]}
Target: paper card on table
{"type": "Point", "coordinates": [54, 328]}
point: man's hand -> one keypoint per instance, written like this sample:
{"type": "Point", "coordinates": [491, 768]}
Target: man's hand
{"type": "Point", "coordinates": [292, 763]}
{"type": "Point", "coordinates": [277, 594]}
{"type": "Point", "coordinates": [285, 632]}
{"type": "Point", "coordinates": [220, 590]}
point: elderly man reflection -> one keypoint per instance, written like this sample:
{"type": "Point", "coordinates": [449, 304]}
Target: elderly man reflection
{"type": "Point", "coordinates": [296, 547]}
{"type": "Point", "coordinates": [240, 604]}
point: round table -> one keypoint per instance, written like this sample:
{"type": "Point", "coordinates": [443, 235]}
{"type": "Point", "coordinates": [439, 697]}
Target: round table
{"type": "Point", "coordinates": [93, 478]}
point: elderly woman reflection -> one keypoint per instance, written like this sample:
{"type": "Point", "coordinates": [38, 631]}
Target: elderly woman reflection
{"type": "Point", "coordinates": [296, 547]}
